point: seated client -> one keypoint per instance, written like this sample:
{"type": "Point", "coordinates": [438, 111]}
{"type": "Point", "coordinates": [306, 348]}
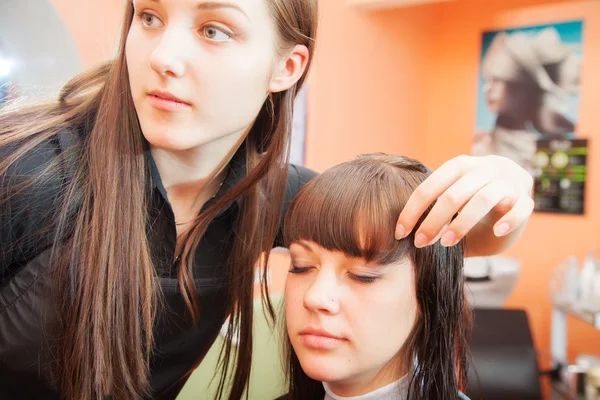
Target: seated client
{"type": "Point", "coordinates": [368, 316]}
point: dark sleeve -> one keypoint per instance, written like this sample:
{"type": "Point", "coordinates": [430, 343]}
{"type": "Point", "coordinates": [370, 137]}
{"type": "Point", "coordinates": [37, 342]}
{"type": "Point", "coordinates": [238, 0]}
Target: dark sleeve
{"type": "Point", "coordinates": [25, 214]}
{"type": "Point", "coordinates": [298, 176]}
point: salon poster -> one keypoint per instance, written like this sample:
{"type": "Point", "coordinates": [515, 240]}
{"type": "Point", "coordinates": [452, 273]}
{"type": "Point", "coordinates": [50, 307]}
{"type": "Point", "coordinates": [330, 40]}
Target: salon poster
{"type": "Point", "coordinates": [528, 89]}
{"type": "Point", "coordinates": [560, 173]}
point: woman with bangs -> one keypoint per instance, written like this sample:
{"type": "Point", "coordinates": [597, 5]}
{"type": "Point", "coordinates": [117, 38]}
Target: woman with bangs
{"type": "Point", "coordinates": [368, 317]}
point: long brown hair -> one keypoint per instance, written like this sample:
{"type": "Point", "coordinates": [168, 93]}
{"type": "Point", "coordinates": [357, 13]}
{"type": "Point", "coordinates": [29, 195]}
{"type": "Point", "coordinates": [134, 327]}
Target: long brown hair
{"type": "Point", "coordinates": [353, 208]}
{"type": "Point", "coordinates": [105, 288]}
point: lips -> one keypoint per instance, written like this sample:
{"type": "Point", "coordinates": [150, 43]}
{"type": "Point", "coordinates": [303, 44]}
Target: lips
{"type": "Point", "coordinates": [166, 101]}
{"type": "Point", "coordinates": [319, 332]}
{"type": "Point", "coordinates": [320, 339]}
{"type": "Point", "coordinates": [164, 95]}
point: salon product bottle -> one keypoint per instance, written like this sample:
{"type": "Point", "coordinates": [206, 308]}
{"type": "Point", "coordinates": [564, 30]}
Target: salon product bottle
{"type": "Point", "coordinates": [587, 280]}
{"type": "Point", "coordinates": [594, 303]}
{"type": "Point", "coordinates": [570, 292]}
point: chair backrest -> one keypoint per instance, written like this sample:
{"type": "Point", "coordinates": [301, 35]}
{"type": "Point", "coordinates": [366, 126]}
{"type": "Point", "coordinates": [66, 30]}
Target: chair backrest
{"type": "Point", "coordinates": [504, 360]}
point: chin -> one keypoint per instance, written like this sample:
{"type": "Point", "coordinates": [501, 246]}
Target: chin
{"type": "Point", "coordinates": [493, 108]}
{"type": "Point", "coordinates": [170, 139]}
{"type": "Point", "coordinates": [323, 370]}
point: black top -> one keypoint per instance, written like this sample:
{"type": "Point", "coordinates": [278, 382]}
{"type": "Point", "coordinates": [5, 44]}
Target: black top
{"type": "Point", "coordinates": [23, 283]}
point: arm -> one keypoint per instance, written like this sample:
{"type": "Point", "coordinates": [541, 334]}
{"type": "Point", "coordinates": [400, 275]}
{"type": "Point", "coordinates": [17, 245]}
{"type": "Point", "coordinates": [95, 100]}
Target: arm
{"type": "Point", "coordinates": [26, 212]}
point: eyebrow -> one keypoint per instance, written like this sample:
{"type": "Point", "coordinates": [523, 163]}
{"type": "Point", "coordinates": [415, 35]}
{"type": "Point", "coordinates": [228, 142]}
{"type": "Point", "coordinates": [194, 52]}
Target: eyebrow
{"type": "Point", "coordinates": [215, 5]}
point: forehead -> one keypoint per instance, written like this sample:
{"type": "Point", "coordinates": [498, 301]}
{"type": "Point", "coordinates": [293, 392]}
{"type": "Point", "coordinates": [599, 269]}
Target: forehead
{"type": "Point", "coordinates": [247, 7]}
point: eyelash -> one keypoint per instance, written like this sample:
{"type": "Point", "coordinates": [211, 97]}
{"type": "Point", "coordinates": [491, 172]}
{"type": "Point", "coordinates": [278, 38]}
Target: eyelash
{"type": "Point", "coordinates": [140, 15]}
{"type": "Point", "coordinates": [364, 279]}
{"type": "Point", "coordinates": [298, 270]}
{"type": "Point", "coordinates": [357, 278]}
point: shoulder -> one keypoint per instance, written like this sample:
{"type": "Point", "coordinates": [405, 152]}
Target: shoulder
{"type": "Point", "coordinates": [41, 156]}
{"type": "Point", "coordinates": [33, 184]}
{"type": "Point", "coordinates": [298, 176]}
{"type": "Point", "coordinates": [301, 173]}
{"type": "Point", "coordinates": [38, 176]}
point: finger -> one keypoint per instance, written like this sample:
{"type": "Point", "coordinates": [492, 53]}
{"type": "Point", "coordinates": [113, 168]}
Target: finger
{"type": "Point", "coordinates": [519, 213]}
{"type": "Point", "coordinates": [439, 236]}
{"type": "Point", "coordinates": [428, 191]}
{"type": "Point", "coordinates": [474, 211]}
{"type": "Point", "coordinates": [449, 203]}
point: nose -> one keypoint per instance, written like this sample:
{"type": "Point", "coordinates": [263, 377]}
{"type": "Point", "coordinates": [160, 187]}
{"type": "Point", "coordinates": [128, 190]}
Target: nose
{"type": "Point", "coordinates": [169, 56]}
{"type": "Point", "coordinates": [487, 87]}
{"type": "Point", "coordinates": [323, 294]}
{"type": "Point", "coordinates": [490, 85]}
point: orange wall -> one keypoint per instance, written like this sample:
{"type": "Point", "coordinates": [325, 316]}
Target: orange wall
{"type": "Point", "coordinates": [94, 25]}
{"type": "Point", "coordinates": [405, 81]}
{"type": "Point", "coordinates": [367, 90]}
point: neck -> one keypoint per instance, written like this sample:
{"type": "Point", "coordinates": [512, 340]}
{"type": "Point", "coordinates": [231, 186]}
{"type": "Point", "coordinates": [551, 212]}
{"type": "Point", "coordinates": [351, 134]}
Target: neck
{"type": "Point", "coordinates": [395, 390]}
{"type": "Point", "coordinates": [192, 176]}
{"type": "Point", "coordinates": [368, 383]}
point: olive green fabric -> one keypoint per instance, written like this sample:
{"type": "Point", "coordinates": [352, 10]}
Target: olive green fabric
{"type": "Point", "coordinates": [266, 379]}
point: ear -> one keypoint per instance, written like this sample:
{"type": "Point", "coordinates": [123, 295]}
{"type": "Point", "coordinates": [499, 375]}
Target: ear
{"type": "Point", "coordinates": [289, 69]}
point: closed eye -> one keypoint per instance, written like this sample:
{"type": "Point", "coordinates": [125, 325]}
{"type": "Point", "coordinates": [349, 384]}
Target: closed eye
{"type": "Point", "coordinates": [363, 278]}
{"type": "Point", "coordinates": [298, 270]}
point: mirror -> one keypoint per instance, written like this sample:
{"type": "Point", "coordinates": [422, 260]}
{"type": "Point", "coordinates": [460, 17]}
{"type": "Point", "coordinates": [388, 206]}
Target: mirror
{"type": "Point", "coordinates": [37, 52]}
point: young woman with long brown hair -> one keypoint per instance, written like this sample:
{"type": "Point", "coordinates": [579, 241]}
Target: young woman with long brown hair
{"type": "Point", "coordinates": [134, 208]}
{"type": "Point", "coordinates": [370, 317]}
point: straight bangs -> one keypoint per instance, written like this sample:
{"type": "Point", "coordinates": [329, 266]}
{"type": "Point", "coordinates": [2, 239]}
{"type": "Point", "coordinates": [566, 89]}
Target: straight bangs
{"type": "Point", "coordinates": [353, 208]}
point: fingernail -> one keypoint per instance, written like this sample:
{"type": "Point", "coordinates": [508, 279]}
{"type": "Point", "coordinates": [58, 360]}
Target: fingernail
{"type": "Point", "coordinates": [439, 235]}
{"type": "Point", "coordinates": [502, 229]}
{"type": "Point", "coordinates": [448, 239]}
{"type": "Point", "coordinates": [421, 240]}
{"type": "Point", "coordinates": [400, 231]}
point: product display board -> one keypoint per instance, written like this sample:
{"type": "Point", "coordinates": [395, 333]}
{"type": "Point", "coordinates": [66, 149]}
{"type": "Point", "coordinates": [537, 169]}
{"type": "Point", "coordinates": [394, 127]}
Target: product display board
{"type": "Point", "coordinates": [560, 170]}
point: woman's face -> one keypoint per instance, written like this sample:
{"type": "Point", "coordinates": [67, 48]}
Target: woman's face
{"type": "Point", "coordinates": [347, 320]}
{"type": "Point", "coordinates": [199, 70]}
{"type": "Point", "coordinates": [507, 98]}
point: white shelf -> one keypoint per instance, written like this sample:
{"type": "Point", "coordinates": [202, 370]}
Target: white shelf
{"type": "Point", "coordinates": [559, 334]}
{"type": "Point", "coordinates": [583, 315]}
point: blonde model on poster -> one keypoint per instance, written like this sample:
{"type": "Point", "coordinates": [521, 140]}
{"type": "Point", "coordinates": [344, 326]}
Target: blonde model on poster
{"type": "Point", "coordinates": [528, 81]}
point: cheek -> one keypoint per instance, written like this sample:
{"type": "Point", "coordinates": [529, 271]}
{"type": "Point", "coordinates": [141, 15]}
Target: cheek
{"type": "Point", "coordinates": [246, 66]}
{"type": "Point", "coordinates": [390, 322]}
{"type": "Point", "coordinates": [132, 48]}
{"type": "Point", "coordinates": [294, 294]}
{"type": "Point", "coordinates": [391, 318]}
{"type": "Point", "coordinates": [135, 59]}
{"type": "Point", "coordinates": [232, 86]}
{"type": "Point", "coordinates": [497, 90]}
{"type": "Point", "coordinates": [499, 97]}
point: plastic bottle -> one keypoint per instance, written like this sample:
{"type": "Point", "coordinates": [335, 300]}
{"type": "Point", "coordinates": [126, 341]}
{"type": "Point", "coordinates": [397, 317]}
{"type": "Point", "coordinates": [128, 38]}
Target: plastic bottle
{"type": "Point", "coordinates": [571, 289]}
{"type": "Point", "coordinates": [587, 280]}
